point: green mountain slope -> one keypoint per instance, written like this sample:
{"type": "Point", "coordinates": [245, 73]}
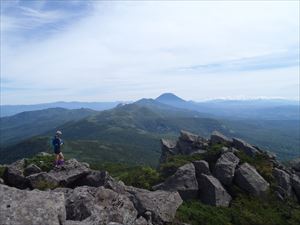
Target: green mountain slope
{"type": "Point", "coordinates": [127, 134]}
{"type": "Point", "coordinates": [28, 124]}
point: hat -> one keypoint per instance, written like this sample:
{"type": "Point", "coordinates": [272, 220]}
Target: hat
{"type": "Point", "coordinates": [59, 132]}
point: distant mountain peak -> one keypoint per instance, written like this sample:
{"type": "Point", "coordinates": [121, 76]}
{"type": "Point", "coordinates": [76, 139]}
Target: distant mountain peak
{"type": "Point", "coordinates": [169, 97]}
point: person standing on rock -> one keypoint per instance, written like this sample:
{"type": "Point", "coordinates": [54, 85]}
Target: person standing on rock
{"type": "Point", "coordinates": [57, 142]}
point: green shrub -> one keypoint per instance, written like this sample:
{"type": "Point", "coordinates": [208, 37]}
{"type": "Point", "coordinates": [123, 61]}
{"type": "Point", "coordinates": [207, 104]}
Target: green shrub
{"type": "Point", "coordinates": [174, 162]}
{"type": "Point", "coordinates": [2, 169]}
{"type": "Point", "coordinates": [141, 177]}
{"type": "Point", "coordinates": [44, 162]}
{"type": "Point", "coordinates": [260, 162]}
{"type": "Point", "coordinates": [244, 210]}
{"type": "Point", "coordinates": [44, 185]}
{"type": "Point", "coordinates": [137, 176]}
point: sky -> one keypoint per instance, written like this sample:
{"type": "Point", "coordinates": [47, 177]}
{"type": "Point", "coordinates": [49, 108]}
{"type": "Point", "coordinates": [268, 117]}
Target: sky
{"type": "Point", "coordinates": [127, 50]}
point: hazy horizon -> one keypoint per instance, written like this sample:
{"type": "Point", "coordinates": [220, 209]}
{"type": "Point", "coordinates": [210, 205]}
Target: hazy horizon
{"type": "Point", "coordinates": [199, 100]}
{"type": "Point", "coordinates": [102, 51]}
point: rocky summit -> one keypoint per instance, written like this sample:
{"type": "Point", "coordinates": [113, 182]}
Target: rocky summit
{"type": "Point", "coordinates": [212, 171]}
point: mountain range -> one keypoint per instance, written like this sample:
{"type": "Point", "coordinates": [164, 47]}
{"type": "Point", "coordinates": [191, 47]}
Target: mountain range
{"type": "Point", "coordinates": [130, 133]}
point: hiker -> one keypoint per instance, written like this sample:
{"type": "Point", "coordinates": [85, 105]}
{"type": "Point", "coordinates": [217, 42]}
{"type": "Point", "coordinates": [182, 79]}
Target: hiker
{"type": "Point", "coordinates": [57, 142]}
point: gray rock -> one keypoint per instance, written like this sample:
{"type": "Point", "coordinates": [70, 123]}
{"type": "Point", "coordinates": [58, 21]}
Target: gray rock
{"type": "Point", "coordinates": [296, 164]}
{"type": "Point", "coordinates": [201, 167]}
{"type": "Point", "coordinates": [190, 143]}
{"type": "Point", "coordinates": [161, 206]}
{"type": "Point", "coordinates": [188, 136]}
{"type": "Point", "coordinates": [248, 179]}
{"type": "Point", "coordinates": [70, 174]}
{"type": "Point", "coordinates": [95, 179]}
{"type": "Point", "coordinates": [43, 181]}
{"type": "Point", "coordinates": [13, 175]}
{"type": "Point", "coordinates": [72, 222]}
{"type": "Point", "coordinates": [212, 191]}
{"type": "Point", "coordinates": [184, 181]}
{"type": "Point", "coordinates": [244, 146]}
{"type": "Point", "coordinates": [218, 138]}
{"type": "Point", "coordinates": [168, 148]}
{"type": "Point", "coordinates": [296, 185]}
{"type": "Point", "coordinates": [225, 168]}
{"type": "Point", "coordinates": [283, 182]}
{"type": "Point", "coordinates": [32, 169]}
{"type": "Point", "coordinates": [80, 203]}
{"type": "Point", "coordinates": [140, 221]}
{"type": "Point", "coordinates": [110, 206]}
{"type": "Point", "coordinates": [21, 207]}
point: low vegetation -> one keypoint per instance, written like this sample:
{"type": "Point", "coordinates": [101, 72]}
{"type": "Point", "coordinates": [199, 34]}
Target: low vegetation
{"type": "Point", "coordinates": [2, 168]}
{"type": "Point", "coordinates": [45, 162]}
{"type": "Point", "coordinates": [244, 210]}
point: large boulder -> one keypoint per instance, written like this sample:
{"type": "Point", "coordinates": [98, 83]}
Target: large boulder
{"type": "Point", "coordinates": [168, 148]}
{"type": "Point", "coordinates": [91, 206]}
{"type": "Point", "coordinates": [14, 176]}
{"type": "Point", "coordinates": [212, 192]}
{"type": "Point", "coordinates": [79, 202]}
{"type": "Point", "coordinates": [244, 146]}
{"type": "Point", "coordinates": [218, 138]}
{"type": "Point", "coordinates": [71, 173]}
{"type": "Point", "coordinates": [43, 181]}
{"type": "Point", "coordinates": [184, 181]}
{"type": "Point", "coordinates": [21, 207]}
{"type": "Point", "coordinates": [110, 206]}
{"type": "Point", "coordinates": [32, 169]}
{"type": "Point", "coordinates": [158, 207]}
{"type": "Point", "coordinates": [190, 143]}
{"type": "Point", "coordinates": [225, 168]}
{"type": "Point", "coordinates": [283, 182]}
{"type": "Point", "coordinates": [248, 179]}
{"type": "Point", "coordinates": [201, 167]}
{"type": "Point", "coordinates": [95, 179]}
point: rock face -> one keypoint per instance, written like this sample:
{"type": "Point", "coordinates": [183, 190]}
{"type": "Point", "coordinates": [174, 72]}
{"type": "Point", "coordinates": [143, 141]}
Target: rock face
{"type": "Point", "coordinates": [95, 179]}
{"type": "Point", "coordinates": [20, 207]}
{"type": "Point", "coordinates": [31, 169]}
{"type": "Point", "coordinates": [99, 206]}
{"type": "Point", "coordinates": [212, 191]}
{"type": "Point", "coordinates": [190, 143]}
{"type": "Point", "coordinates": [70, 173]}
{"type": "Point", "coordinates": [13, 175]}
{"type": "Point", "coordinates": [244, 146]}
{"type": "Point", "coordinates": [168, 148]}
{"type": "Point", "coordinates": [218, 138]}
{"type": "Point", "coordinates": [248, 179]}
{"type": "Point", "coordinates": [201, 167]}
{"type": "Point", "coordinates": [184, 181]}
{"type": "Point", "coordinates": [283, 181]}
{"type": "Point", "coordinates": [158, 206]}
{"type": "Point", "coordinates": [225, 167]}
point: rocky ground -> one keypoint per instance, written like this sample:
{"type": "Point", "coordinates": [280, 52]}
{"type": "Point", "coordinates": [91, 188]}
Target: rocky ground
{"type": "Point", "coordinates": [75, 194]}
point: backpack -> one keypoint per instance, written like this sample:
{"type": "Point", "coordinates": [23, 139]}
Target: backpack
{"type": "Point", "coordinates": [56, 143]}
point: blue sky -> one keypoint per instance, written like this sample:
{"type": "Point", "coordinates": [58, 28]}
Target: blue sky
{"type": "Point", "coordinates": [126, 50]}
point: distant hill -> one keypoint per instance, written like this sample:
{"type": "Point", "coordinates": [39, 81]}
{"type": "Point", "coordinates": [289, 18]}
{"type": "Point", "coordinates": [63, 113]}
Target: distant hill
{"type": "Point", "coordinates": [9, 110]}
{"type": "Point", "coordinates": [273, 109]}
{"type": "Point", "coordinates": [28, 124]}
{"type": "Point", "coordinates": [130, 133]}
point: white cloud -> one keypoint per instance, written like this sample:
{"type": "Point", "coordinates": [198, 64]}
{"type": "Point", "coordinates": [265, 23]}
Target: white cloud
{"type": "Point", "coordinates": [128, 50]}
